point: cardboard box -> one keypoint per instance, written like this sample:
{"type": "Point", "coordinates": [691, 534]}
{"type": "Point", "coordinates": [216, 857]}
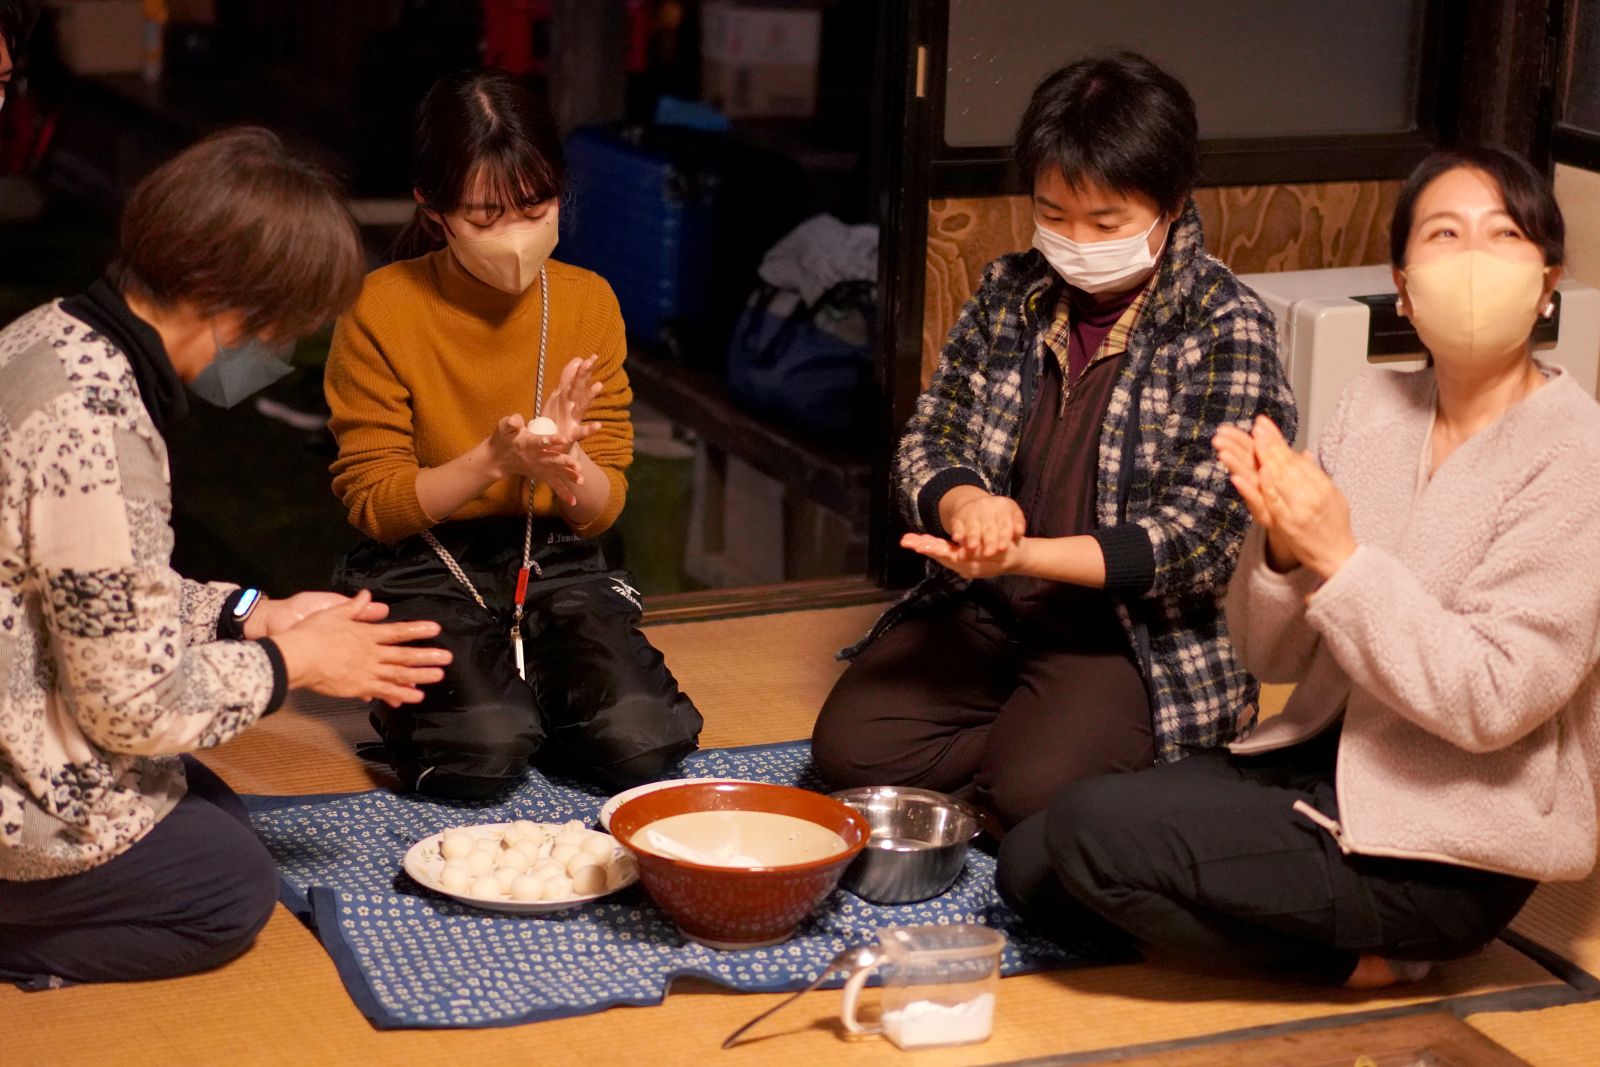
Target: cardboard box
{"type": "Point", "coordinates": [758, 61]}
{"type": "Point", "coordinates": [101, 36]}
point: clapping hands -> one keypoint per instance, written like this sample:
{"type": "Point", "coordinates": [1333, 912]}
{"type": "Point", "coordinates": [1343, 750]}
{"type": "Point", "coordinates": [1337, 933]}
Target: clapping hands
{"type": "Point", "coordinates": [986, 534]}
{"type": "Point", "coordinates": [1010, 557]}
{"type": "Point", "coordinates": [345, 649]}
{"type": "Point", "coordinates": [1305, 516]}
{"type": "Point", "coordinates": [552, 457]}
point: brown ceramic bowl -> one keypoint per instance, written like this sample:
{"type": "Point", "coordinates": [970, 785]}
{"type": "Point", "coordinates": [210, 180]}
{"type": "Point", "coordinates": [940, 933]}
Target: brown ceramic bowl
{"type": "Point", "coordinates": [739, 907]}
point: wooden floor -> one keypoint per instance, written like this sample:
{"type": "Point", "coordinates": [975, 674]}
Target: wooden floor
{"type": "Point", "coordinates": [761, 679]}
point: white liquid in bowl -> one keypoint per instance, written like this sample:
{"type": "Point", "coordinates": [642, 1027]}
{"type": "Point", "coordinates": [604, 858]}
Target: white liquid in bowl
{"type": "Point", "coordinates": [739, 839]}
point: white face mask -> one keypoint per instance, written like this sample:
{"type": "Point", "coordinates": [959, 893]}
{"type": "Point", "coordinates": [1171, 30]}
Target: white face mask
{"type": "Point", "coordinates": [240, 369]}
{"type": "Point", "coordinates": [1100, 267]}
{"type": "Point", "coordinates": [1474, 307]}
{"type": "Point", "coordinates": [509, 260]}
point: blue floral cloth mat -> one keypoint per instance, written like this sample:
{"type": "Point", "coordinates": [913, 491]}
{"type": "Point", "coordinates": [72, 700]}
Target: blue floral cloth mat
{"type": "Point", "coordinates": [411, 958]}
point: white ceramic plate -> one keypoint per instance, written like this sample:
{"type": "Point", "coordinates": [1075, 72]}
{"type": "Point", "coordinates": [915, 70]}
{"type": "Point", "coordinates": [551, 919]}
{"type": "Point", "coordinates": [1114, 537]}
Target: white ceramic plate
{"type": "Point", "coordinates": [610, 807]}
{"type": "Point", "coordinates": [424, 862]}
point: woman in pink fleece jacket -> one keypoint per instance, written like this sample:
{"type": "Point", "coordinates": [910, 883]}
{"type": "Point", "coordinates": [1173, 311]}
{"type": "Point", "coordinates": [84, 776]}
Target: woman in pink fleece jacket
{"type": "Point", "coordinates": [1428, 581]}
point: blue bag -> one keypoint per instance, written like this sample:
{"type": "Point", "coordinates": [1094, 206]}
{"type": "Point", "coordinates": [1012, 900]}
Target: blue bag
{"type": "Point", "coordinates": [809, 367]}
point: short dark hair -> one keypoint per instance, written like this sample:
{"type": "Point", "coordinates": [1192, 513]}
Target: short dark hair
{"type": "Point", "coordinates": [1118, 121]}
{"type": "Point", "coordinates": [16, 22]}
{"type": "Point", "coordinates": [236, 223]}
{"type": "Point", "coordinates": [1529, 199]}
{"type": "Point", "coordinates": [486, 119]}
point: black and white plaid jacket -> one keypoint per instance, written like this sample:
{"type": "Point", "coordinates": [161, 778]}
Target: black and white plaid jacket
{"type": "Point", "coordinates": [1203, 354]}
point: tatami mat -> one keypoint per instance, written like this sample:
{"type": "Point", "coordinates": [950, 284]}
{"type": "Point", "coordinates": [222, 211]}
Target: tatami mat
{"type": "Point", "coordinates": [1273, 697]}
{"type": "Point", "coordinates": [762, 677]}
{"type": "Point", "coordinates": [1431, 1038]}
{"type": "Point", "coordinates": [1565, 917]}
{"type": "Point", "coordinates": [283, 1003]}
{"type": "Point", "coordinates": [1555, 1037]}
{"type": "Point", "coordinates": [757, 679]}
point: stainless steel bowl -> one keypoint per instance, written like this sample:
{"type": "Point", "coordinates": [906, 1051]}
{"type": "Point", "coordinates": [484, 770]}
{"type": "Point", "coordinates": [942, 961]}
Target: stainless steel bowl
{"type": "Point", "coordinates": [917, 847]}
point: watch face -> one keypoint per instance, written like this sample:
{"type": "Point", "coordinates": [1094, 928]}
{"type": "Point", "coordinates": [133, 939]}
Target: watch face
{"type": "Point", "coordinates": [246, 604]}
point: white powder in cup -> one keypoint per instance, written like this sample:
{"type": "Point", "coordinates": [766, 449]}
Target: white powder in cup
{"type": "Point", "coordinates": [925, 1023]}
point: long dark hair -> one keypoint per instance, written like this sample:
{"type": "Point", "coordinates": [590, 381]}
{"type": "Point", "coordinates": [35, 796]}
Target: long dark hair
{"type": "Point", "coordinates": [16, 22]}
{"type": "Point", "coordinates": [484, 121]}
{"type": "Point", "coordinates": [1530, 201]}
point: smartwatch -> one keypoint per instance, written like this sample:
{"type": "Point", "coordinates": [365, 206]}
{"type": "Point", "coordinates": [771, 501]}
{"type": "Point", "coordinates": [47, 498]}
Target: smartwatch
{"type": "Point", "coordinates": [239, 608]}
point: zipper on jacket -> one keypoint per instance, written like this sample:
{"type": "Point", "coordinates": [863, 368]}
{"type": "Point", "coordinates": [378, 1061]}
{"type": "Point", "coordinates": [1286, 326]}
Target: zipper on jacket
{"type": "Point", "coordinates": [1066, 382]}
{"type": "Point", "coordinates": [1331, 825]}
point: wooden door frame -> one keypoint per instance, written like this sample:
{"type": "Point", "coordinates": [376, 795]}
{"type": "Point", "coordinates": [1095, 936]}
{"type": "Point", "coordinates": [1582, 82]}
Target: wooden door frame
{"type": "Point", "coordinates": [1567, 144]}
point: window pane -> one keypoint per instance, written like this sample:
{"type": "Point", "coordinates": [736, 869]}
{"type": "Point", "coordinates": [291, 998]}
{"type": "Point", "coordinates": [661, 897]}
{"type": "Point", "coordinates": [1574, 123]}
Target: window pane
{"type": "Point", "coordinates": [1257, 68]}
{"type": "Point", "coordinates": [1583, 82]}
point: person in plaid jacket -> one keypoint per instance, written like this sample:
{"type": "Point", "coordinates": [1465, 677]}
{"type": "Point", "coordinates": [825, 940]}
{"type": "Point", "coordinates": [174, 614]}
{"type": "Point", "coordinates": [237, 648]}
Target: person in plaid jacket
{"type": "Point", "coordinates": [1058, 474]}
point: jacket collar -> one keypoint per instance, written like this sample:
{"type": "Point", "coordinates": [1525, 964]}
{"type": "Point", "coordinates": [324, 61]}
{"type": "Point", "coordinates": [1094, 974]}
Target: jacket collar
{"type": "Point", "coordinates": [102, 307]}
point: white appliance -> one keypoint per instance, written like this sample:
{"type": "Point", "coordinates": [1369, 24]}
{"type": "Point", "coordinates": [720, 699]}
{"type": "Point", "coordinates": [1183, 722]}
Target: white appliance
{"type": "Point", "coordinates": [1332, 323]}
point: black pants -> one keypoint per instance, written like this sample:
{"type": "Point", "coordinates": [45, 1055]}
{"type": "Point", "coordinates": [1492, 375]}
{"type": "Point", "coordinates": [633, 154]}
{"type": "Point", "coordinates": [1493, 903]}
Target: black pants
{"type": "Point", "coordinates": [188, 896]}
{"type": "Point", "coordinates": [968, 700]}
{"type": "Point", "coordinates": [599, 700]}
{"type": "Point", "coordinates": [1207, 856]}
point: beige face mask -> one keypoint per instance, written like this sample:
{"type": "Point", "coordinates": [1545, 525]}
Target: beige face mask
{"type": "Point", "coordinates": [510, 260]}
{"type": "Point", "coordinates": [1472, 307]}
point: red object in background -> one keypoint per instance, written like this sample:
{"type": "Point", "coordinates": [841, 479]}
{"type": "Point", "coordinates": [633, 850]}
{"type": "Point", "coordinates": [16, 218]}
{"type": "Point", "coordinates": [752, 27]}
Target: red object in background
{"type": "Point", "coordinates": [516, 35]}
{"type": "Point", "coordinates": [25, 131]}
{"type": "Point", "coordinates": [641, 26]}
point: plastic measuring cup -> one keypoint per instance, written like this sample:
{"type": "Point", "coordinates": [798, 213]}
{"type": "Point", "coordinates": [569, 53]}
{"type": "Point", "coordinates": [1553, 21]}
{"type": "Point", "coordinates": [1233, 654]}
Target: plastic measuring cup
{"type": "Point", "coordinates": [939, 984]}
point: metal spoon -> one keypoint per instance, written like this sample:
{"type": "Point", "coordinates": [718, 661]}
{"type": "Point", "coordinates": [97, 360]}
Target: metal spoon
{"type": "Point", "coordinates": [849, 959]}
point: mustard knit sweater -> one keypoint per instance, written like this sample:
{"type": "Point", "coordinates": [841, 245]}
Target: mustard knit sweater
{"type": "Point", "coordinates": [427, 362]}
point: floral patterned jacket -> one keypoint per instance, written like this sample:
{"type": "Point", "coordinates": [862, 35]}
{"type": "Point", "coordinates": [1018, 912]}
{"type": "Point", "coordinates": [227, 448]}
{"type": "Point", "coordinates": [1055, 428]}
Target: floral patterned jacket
{"type": "Point", "coordinates": [1201, 355]}
{"type": "Point", "coordinates": [109, 663]}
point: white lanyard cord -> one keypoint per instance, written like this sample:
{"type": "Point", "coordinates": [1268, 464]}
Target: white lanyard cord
{"type": "Point", "coordinates": [527, 530]}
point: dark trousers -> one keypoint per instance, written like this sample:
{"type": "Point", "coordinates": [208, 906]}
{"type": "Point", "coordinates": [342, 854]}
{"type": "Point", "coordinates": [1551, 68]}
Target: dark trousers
{"type": "Point", "coordinates": [1207, 856]}
{"type": "Point", "coordinates": [598, 702]}
{"type": "Point", "coordinates": [188, 896]}
{"type": "Point", "coordinates": [1001, 711]}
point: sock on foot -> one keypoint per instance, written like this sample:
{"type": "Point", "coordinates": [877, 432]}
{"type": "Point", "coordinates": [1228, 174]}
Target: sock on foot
{"type": "Point", "coordinates": [1410, 970]}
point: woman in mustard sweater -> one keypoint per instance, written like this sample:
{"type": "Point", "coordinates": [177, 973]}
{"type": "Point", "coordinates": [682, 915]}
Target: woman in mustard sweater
{"type": "Point", "coordinates": [479, 515]}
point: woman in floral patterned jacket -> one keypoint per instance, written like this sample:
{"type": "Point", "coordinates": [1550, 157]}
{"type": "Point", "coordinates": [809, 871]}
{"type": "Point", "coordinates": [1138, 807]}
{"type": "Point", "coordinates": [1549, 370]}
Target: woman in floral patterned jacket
{"type": "Point", "coordinates": [1059, 475]}
{"type": "Point", "coordinates": [119, 858]}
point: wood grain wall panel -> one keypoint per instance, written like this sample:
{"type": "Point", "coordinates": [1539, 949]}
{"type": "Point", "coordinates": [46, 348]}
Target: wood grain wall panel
{"type": "Point", "coordinates": [1299, 227]}
{"type": "Point", "coordinates": [1250, 228]}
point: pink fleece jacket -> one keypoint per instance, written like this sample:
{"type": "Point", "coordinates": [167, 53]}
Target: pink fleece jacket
{"type": "Point", "coordinates": [1461, 640]}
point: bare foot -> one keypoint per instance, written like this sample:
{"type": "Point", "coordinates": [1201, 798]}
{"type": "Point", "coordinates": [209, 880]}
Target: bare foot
{"type": "Point", "coordinates": [1375, 972]}
{"type": "Point", "coordinates": [1372, 972]}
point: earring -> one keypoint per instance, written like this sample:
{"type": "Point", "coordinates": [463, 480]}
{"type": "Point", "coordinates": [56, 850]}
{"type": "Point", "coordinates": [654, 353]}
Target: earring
{"type": "Point", "coordinates": [1549, 309]}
